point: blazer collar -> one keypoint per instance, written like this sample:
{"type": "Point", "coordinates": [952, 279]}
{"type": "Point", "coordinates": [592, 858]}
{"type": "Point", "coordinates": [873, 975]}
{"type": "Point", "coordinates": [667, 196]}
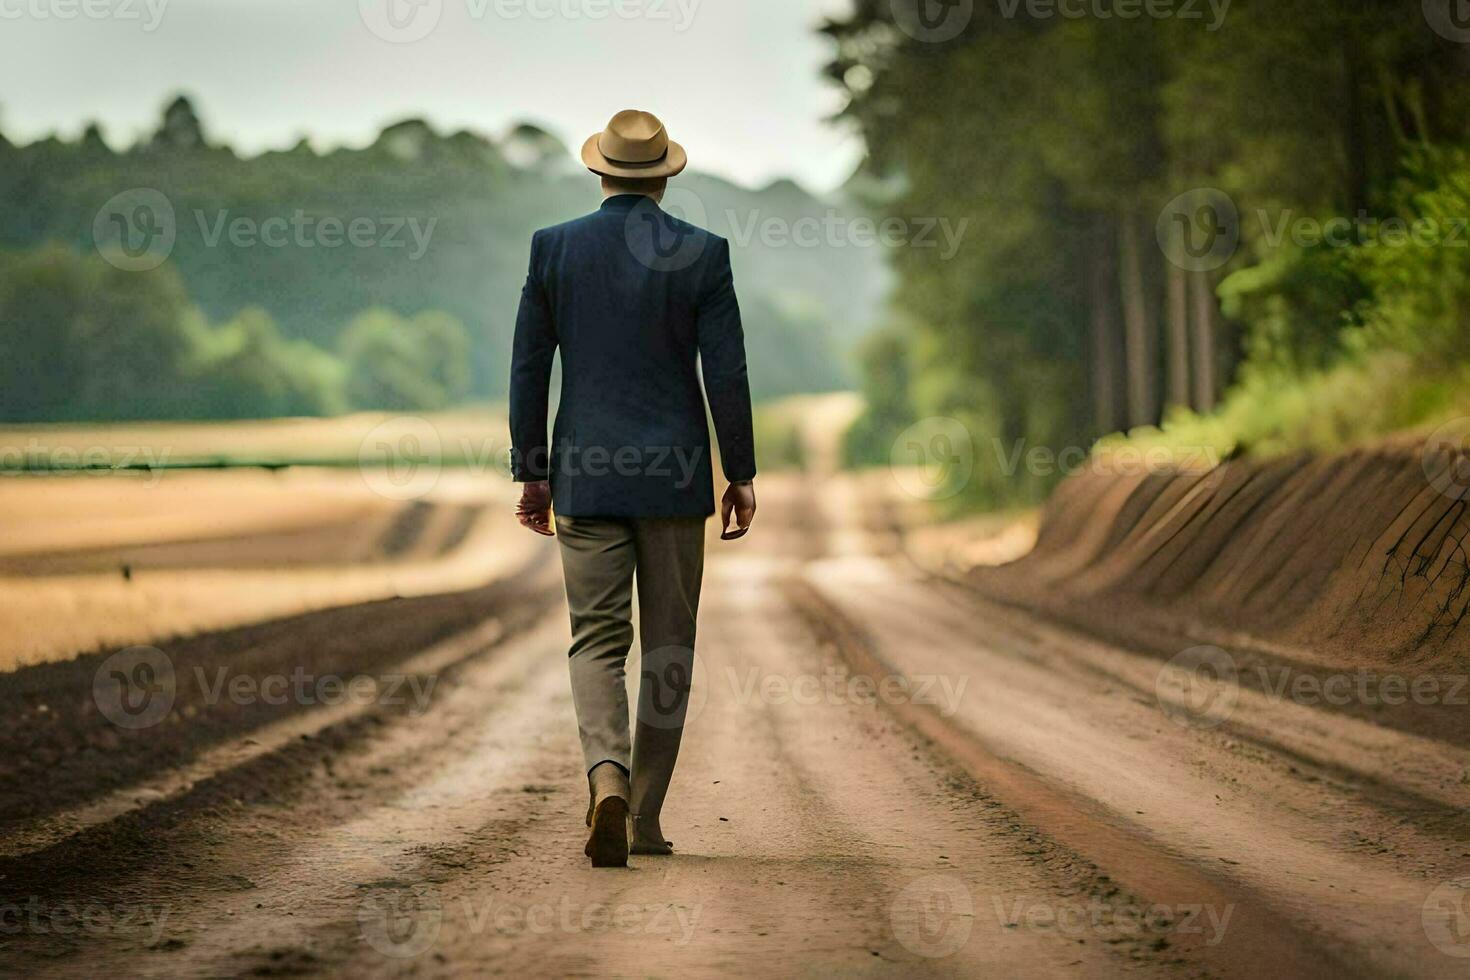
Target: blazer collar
{"type": "Point", "coordinates": [625, 202]}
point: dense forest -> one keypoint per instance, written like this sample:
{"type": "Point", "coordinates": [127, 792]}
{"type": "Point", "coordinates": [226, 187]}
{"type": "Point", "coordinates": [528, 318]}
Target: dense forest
{"type": "Point", "coordinates": [1251, 230]}
{"type": "Point", "coordinates": [306, 282]}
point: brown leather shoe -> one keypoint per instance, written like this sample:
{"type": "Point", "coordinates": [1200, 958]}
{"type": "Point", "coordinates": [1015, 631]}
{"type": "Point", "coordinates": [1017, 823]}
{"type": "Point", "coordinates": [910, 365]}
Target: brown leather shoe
{"type": "Point", "coordinates": [607, 844]}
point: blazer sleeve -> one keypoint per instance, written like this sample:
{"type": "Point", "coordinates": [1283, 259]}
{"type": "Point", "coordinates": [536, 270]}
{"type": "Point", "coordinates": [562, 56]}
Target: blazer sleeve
{"type": "Point", "coordinates": [722, 362]}
{"type": "Point", "coordinates": [532, 353]}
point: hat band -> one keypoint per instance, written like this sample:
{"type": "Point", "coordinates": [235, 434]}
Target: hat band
{"type": "Point", "coordinates": [637, 164]}
{"type": "Point", "coordinates": [632, 147]}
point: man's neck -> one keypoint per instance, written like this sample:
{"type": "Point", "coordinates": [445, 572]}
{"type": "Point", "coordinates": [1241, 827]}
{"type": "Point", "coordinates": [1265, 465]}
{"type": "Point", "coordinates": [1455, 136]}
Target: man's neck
{"type": "Point", "coordinates": [608, 195]}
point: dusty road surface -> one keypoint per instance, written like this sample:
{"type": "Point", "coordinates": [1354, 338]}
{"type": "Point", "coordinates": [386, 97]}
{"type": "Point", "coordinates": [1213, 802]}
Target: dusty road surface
{"type": "Point", "coordinates": [883, 775]}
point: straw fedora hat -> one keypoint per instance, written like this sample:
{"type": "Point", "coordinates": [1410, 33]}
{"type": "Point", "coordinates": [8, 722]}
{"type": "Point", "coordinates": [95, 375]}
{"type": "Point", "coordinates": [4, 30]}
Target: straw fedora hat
{"type": "Point", "coordinates": [634, 144]}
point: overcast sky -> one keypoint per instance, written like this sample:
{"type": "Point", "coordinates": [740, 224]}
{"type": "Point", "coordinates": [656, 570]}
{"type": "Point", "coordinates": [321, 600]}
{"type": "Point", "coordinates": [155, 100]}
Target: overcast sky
{"type": "Point", "coordinates": [737, 81]}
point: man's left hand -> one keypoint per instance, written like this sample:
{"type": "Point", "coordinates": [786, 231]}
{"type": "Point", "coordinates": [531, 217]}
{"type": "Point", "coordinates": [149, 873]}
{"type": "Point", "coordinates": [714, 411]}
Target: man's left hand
{"type": "Point", "coordinates": [534, 510]}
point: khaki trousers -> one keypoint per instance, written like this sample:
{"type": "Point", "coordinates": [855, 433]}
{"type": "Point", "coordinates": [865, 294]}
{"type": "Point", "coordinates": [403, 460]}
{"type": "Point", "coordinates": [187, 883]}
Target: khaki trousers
{"type": "Point", "coordinates": [601, 557]}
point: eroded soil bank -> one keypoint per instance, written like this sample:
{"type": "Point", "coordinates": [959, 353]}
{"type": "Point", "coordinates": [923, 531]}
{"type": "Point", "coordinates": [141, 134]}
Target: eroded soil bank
{"type": "Point", "coordinates": [1338, 581]}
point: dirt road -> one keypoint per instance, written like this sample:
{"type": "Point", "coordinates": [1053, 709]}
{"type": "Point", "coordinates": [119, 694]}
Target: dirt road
{"type": "Point", "coordinates": [884, 775]}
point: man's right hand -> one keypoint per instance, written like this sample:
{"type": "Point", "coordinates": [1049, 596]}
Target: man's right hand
{"type": "Point", "coordinates": [534, 510]}
{"type": "Point", "coordinates": [740, 499]}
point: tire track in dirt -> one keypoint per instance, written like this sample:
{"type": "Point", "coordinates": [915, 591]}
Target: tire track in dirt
{"type": "Point", "coordinates": [1177, 815]}
{"type": "Point", "coordinates": [61, 749]}
{"type": "Point", "coordinates": [247, 861]}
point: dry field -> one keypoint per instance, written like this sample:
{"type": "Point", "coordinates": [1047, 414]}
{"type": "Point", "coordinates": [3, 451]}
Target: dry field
{"type": "Point", "coordinates": [96, 558]}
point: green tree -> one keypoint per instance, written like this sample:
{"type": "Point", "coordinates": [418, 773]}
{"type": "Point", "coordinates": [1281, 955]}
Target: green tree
{"type": "Point", "coordinates": [402, 364]}
{"type": "Point", "coordinates": [1062, 140]}
{"type": "Point", "coordinates": [80, 339]}
{"type": "Point", "coordinates": [83, 341]}
{"type": "Point", "coordinates": [248, 370]}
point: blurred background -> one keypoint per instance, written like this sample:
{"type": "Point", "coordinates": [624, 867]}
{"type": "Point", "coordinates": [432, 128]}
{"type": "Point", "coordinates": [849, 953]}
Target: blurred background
{"type": "Point", "coordinates": [226, 165]}
{"type": "Point", "coordinates": [1238, 221]}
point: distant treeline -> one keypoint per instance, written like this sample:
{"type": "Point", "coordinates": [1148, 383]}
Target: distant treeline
{"type": "Point", "coordinates": [1167, 210]}
{"type": "Point", "coordinates": [299, 281]}
{"type": "Point", "coordinates": [83, 340]}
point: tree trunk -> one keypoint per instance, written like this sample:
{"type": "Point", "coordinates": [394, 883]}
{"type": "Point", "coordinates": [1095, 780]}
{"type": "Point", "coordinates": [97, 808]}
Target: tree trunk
{"type": "Point", "coordinates": [1107, 346]}
{"type": "Point", "coordinates": [1354, 136]}
{"type": "Point", "coordinates": [1206, 315]}
{"type": "Point", "coordinates": [1139, 326]}
{"type": "Point", "coordinates": [1177, 310]}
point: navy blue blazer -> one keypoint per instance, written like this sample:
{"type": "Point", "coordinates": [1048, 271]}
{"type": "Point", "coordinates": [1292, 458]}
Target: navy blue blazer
{"type": "Point", "coordinates": [639, 303]}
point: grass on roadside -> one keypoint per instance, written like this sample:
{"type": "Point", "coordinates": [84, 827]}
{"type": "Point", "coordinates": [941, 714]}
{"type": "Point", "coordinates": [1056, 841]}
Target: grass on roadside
{"type": "Point", "coordinates": [1352, 404]}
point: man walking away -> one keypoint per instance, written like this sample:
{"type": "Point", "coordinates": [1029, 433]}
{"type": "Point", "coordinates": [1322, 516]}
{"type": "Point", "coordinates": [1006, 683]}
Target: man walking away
{"type": "Point", "coordinates": [640, 304]}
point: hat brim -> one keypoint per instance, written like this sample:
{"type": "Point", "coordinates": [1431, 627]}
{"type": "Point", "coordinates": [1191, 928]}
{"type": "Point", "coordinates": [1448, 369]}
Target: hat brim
{"type": "Point", "coordinates": [672, 164]}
